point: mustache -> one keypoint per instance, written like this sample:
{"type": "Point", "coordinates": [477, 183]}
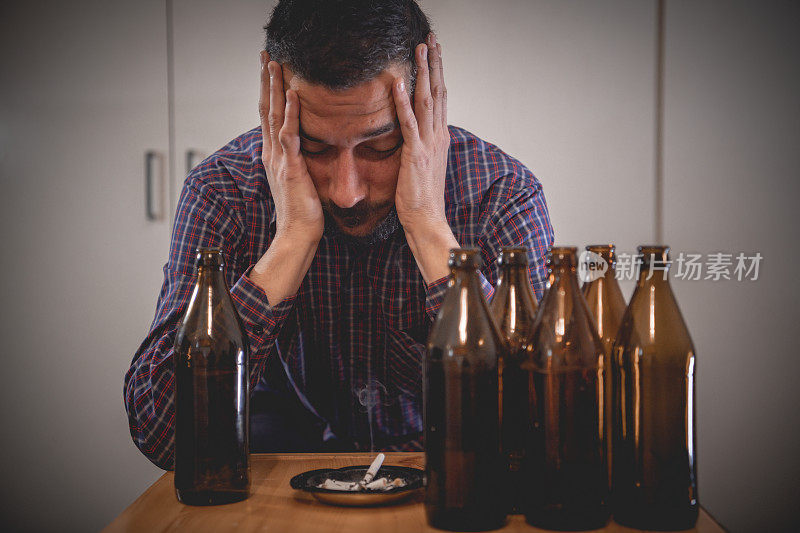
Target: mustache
{"type": "Point", "coordinates": [353, 216]}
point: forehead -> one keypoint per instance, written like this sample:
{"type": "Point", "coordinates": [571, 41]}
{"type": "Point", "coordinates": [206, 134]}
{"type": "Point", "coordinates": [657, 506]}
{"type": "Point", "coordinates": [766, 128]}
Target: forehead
{"type": "Point", "coordinates": [340, 114]}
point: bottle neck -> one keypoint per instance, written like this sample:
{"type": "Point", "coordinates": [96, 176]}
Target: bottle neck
{"type": "Point", "coordinates": [463, 275]}
{"type": "Point", "coordinates": [563, 276]}
{"type": "Point", "coordinates": [209, 260]}
{"type": "Point", "coordinates": [611, 272]}
{"type": "Point", "coordinates": [608, 254]}
{"type": "Point", "coordinates": [562, 258]}
{"type": "Point", "coordinates": [655, 263]}
{"type": "Point", "coordinates": [653, 274]}
{"type": "Point", "coordinates": [210, 275]}
{"type": "Point", "coordinates": [514, 275]}
{"type": "Point", "coordinates": [562, 264]}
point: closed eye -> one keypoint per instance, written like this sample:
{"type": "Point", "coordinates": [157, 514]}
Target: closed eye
{"type": "Point", "coordinates": [388, 150]}
{"type": "Point", "coordinates": [376, 154]}
{"type": "Point", "coordinates": [312, 148]}
{"type": "Point", "coordinates": [366, 152]}
{"type": "Point", "coordinates": [312, 153]}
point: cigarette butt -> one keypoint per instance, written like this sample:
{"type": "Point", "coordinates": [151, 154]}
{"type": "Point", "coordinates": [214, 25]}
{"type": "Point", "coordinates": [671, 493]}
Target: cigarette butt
{"type": "Point", "coordinates": [379, 484]}
{"type": "Point", "coordinates": [332, 484]}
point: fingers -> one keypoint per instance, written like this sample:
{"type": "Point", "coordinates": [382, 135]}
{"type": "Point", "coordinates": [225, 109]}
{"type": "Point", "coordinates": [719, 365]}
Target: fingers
{"type": "Point", "coordinates": [263, 103]}
{"type": "Point", "coordinates": [277, 102]}
{"type": "Point", "coordinates": [444, 87]}
{"type": "Point", "coordinates": [289, 135]}
{"type": "Point", "coordinates": [405, 114]}
{"type": "Point", "coordinates": [423, 101]}
{"type": "Point", "coordinates": [438, 89]}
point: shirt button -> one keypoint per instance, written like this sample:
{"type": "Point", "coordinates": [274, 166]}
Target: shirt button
{"type": "Point", "coordinates": [258, 329]}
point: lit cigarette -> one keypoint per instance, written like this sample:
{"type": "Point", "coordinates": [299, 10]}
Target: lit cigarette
{"type": "Point", "coordinates": [373, 469]}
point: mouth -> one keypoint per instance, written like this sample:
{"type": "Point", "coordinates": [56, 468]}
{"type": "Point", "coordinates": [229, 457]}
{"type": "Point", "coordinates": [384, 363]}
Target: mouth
{"type": "Point", "coordinates": [354, 226]}
{"type": "Point", "coordinates": [365, 228]}
{"type": "Point", "coordinates": [350, 221]}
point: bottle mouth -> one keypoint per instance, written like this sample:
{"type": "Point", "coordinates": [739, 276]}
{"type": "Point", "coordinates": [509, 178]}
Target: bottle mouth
{"type": "Point", "coordinates": [209, 256]}
{"type": "Point", "coordinates": [465, 257]}
{"type": "Point", "coordinates": [563, 250]}
{"type": "Point", "coordinates": [513, 256]}
{"type": "Point", "coordinates": [654, 253]}
{"type": "Point", "coordinates": [562, 256]}
{"type": "Point", "coordinates": [606, 251]}
{"type": "Point", "coordinates": [601, 248]}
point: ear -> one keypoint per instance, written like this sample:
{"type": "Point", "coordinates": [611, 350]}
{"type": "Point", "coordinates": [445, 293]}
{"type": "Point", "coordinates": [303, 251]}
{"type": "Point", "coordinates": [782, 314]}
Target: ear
{"type": "Point", "coordinates": [288, 76]}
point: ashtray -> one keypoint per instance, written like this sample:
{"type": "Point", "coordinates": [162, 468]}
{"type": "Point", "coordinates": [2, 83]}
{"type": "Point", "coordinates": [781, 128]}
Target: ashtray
{"type": "Point", "coordinates": [310, 481]}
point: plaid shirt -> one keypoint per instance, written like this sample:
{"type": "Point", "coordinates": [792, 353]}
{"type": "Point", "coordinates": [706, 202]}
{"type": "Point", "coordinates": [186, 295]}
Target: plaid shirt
{"type": "Point", "coordinates": [352, 338]}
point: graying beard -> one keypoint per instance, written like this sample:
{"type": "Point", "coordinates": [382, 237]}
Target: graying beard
{"type": "Point", "coordinates": [382, 231]}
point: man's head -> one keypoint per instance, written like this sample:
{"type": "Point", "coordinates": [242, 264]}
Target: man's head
{"type": "Point", "coordinates": [341, 56]}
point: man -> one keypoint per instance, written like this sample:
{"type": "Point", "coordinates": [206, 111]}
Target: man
{"type": "Point", "coordinates": [336, 218]}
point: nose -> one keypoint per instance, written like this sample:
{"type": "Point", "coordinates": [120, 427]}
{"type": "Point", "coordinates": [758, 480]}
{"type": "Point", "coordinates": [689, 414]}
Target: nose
{"type": "Point", "coordinates": [345, 188]}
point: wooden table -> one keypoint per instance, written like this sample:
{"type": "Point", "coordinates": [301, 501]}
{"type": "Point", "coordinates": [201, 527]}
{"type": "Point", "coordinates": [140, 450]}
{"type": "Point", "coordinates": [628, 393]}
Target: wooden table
{"type": "Point", "coordinates": [274, 506]}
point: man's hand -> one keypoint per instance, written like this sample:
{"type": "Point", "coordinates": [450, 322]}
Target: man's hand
{"type": "Point", "coordinates": [423, 163]}
{"type": "Point", "coordinates": [297, 205]}
{"type": "Point", "coordinates": [298, 211]}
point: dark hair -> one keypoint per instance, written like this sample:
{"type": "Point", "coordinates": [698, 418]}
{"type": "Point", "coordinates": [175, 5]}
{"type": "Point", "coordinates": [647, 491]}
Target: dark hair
{"type": "Point", "coordinates": [342, 43]}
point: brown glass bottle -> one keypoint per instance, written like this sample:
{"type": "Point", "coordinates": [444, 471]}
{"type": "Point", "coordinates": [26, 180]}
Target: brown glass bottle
{"type": "Point", "coordinates": [211, 393]}
{"type": "Point", "coordinates": [514, 309]}
{"type": "Point", "coordinates": [655, 468]}
{"type": "Point", "coordinates": [565, 461]}
{"type": "Point", "coordinates": [464, 465]}
{"type": "Point", "coordinates": [607, 305]}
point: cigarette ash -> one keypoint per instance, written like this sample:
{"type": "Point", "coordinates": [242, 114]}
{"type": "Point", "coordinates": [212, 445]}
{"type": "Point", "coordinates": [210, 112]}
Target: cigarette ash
{"type": "Point", "coordinates": [381, 484]}
{"type": "Point", "coordinates": [366, 483]}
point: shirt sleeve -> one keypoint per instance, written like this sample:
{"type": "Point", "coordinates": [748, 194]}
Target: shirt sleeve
{"type": "Point", "coordinates": [519, 218]}
{"type": "Point", "coordinates": [204, 218]}
{"type": "Point", "coordinates": [436, 290]}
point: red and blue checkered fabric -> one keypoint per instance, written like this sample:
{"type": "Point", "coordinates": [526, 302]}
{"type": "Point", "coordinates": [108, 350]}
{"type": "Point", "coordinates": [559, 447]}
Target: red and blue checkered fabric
{"type": "Point", "coordinates": [352, 339]}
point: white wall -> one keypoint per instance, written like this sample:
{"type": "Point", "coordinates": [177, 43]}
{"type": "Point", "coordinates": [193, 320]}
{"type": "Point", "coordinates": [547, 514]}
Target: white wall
{"type": "Point", "coordinates": [732, 163]}
{"type": "Point", "coordinates": [566, 87]}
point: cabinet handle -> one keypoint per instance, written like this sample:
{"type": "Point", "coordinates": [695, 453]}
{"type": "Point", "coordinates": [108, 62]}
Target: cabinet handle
{"type": "Point", "coordinates": [191, 157]}
{"type": "Point", "coordinates": [149, 159]}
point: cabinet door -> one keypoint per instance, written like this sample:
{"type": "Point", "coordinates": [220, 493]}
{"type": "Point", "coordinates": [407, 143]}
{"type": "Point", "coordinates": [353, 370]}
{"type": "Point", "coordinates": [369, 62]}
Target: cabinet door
{"type": "Point", "coordinates": [216, 69]}
{"type": "Point", "coordinates": [83, 97]}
